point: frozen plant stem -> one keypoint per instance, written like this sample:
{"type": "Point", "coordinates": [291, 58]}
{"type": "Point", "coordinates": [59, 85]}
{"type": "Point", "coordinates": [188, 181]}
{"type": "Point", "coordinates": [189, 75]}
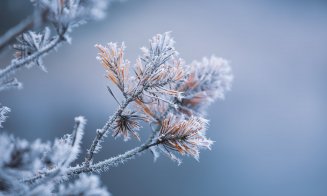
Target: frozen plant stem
{"type": "Point", "coordinates": [107, 126]}
{"type": "Point", "coordinates": [103, 165]}
{"type": "Point", "coordinates": [97, 167]}
{"type": "Point", "coordinates": [160, 89]}
{"type": "Point", "coordinates": [100, 133]}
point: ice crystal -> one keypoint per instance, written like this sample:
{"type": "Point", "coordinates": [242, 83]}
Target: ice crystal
{"type": "Point", "coordinates": [20, 155]}
{"type": "Point", "coordinates": [66, 149]}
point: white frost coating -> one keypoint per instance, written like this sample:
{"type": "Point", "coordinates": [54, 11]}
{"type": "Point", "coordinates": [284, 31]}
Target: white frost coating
{"type": "Point", "coordinates": [66, 149]}
{"type": "Point", "coordinates": [159, 90]}
{"type": "Point", "coordinates": [76, 139]}
{"type": "Point", "coordinates": [85, 185]}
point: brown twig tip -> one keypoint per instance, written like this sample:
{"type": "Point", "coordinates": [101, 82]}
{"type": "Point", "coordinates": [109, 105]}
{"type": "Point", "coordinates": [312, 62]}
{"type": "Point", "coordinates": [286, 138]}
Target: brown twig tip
{"type": "Point", "coordinates": [112, 59]}
{"type": "Point", "coordinates": [127, 124]}
{"type": "Point", "coordinates": [185, 136]}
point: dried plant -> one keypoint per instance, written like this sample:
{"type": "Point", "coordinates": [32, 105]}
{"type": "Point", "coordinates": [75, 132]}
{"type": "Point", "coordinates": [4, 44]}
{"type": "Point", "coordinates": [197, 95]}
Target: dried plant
{"type": "Point", "coordinates": [183, 136]}
{"type": "Point", "coordinates": [160, 90]}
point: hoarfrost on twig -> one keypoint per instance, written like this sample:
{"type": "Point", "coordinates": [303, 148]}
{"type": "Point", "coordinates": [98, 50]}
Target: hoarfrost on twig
{"type": "Point", "coordinates": [160, 90]}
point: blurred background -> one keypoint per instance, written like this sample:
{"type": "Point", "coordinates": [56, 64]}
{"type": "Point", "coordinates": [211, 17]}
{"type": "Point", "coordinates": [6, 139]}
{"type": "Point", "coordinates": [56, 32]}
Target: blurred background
{"type": "Point", "coordinates": [271, 130]}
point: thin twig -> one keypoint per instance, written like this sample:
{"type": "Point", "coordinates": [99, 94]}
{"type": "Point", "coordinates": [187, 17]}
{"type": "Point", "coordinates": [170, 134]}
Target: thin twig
{"type": "Point", "coordinates": [105, 164]}
{"type": "Point", "coordinates": [100, 133]}
{"type": "Point", "coordinates": [108, 125]}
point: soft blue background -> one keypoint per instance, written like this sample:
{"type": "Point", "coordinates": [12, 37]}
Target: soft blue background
{"type": "Point", "coordinates": [271, 130]}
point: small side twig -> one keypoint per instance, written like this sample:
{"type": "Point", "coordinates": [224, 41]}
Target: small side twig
{"type": "Point", "coordinates": [102, 165]}
{"type": "Point", "coordinates": [100, 133]}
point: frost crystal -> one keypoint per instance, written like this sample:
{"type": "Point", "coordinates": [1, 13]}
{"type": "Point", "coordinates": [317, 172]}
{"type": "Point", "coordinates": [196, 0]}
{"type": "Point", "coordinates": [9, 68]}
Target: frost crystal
{"type": "Point", "coordinates": [21, 159]}
{"type": "Point", "coordinates": [66, 149]}
{"type": "Point", "coordinates": [20, 155]}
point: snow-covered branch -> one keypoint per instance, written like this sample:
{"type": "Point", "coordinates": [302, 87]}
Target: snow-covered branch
{"type": "Point", "coordinates": [160, 90]}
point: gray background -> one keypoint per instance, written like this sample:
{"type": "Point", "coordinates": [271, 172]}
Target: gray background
{"type": "Point", "coordinates": [270, 132]}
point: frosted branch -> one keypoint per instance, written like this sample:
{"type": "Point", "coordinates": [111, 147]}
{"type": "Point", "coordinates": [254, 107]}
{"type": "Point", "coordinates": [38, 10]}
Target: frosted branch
{"type": "Point", "coordinates": [100, 166]}
{"type": "Point", "coordinates": [160, 90]}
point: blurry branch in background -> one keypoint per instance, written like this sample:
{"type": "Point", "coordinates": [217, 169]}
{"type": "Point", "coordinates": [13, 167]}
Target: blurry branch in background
{"type": "Point", "coordinates": [56, 17]}
{"type": "Point", "coordinates": [12, 33]}
{"type": "Point", "coordinates": [160, 89]}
